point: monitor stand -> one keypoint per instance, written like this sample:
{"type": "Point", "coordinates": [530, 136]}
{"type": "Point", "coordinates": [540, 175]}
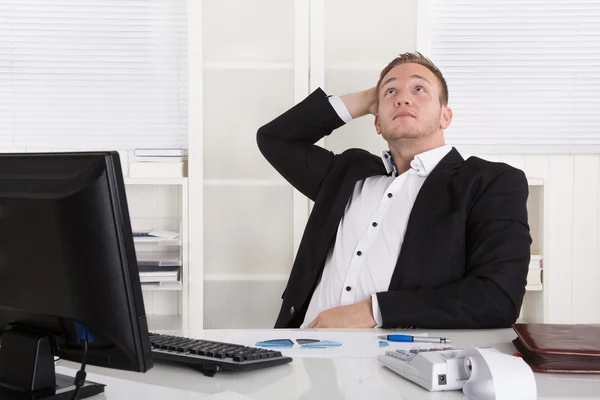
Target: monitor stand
{"type": "Point", "coordinates": [27, 369]}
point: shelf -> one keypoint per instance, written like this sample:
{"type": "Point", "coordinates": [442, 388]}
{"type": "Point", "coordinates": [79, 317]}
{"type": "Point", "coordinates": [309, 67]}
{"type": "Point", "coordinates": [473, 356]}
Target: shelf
{"type": "Point", "coordinates": [245, 182]}
{"type": "Point", "coordinates": [534, 288]}
{"type": "Point", "coordinates": [160, 288]}
{"type": "Point", "coordinates": [246, 277]}
{"type": "Point", "coordinates": [157, 240]}
{"type": "Point", "coordinates": [155, 181]}
{"type": "Point", "coordinates": [247, 65]}
{"type": "Point", "coordinates": [535, 181]}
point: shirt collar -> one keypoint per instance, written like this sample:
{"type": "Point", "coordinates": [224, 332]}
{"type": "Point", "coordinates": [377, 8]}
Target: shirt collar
{"type": "Point", "coordinates": [422, 164]}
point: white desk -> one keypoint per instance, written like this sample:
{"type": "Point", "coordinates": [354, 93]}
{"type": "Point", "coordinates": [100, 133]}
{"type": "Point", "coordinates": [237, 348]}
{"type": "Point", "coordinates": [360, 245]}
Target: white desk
{"type": "Point", "coordinates": [319, 378]}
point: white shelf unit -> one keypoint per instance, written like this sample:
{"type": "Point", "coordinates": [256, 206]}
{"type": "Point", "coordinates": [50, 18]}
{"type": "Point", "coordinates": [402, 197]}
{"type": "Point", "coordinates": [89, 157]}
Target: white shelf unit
{"type": "Point", "coordinates": [252, 219]}
{"type": "Point", "coordinates": [162, 204]}
{"type": "Point", "coordinates": [532, 309]}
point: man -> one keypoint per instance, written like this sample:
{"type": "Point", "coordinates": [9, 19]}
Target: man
{"type": "Point", "coordinates": [416, 238]}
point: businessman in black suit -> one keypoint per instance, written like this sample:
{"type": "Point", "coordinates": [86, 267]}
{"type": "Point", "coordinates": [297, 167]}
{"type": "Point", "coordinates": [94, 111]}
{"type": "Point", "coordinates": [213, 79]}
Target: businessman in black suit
{"type": "Point", "coordinates": [416, 238]}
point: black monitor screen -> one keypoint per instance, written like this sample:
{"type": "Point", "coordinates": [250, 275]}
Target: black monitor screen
{"type": "Point", "coordinates": [67, 258]}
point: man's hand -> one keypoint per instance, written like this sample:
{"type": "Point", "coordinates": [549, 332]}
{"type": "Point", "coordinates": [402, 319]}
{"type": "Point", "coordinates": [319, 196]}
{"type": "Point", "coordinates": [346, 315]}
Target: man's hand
{"type": "Point", "coordinates": [359, 315]}
{"type": "Point", "coordinates": [361, 103]}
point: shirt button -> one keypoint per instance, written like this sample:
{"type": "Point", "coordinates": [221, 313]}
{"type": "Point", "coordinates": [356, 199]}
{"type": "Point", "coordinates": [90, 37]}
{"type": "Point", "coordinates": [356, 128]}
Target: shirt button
{"type": "Point", "coordinates": [359, 253]}
{"type": "Point", "coordinates": [292, 310]}
{"type": "Point", "coordinates": [348, 288]}
{"type": "Point", "coordinates": [374, 224]}
{"type": "Point", "coordinates": [390, 195]}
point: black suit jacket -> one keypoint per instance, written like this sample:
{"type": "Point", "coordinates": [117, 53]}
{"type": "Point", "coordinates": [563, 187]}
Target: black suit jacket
{"type": "Point", "coordinates": [465, 255]}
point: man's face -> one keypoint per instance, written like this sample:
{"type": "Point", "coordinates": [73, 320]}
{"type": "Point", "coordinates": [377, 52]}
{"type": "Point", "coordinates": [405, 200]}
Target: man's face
{"type": "Point", "coordinates": [409, 105]}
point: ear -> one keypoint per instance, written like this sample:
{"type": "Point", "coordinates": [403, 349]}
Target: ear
{"type": "Point", "coordinates": [445, 117]}
{"type": "Point", "coordinates": [377, 124]}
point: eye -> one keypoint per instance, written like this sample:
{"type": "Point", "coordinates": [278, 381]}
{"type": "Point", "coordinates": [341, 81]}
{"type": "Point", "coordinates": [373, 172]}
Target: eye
{"type": "Point", "coordinates": [390, 91]}
{"type": "Point", "coordinates": [419, 89]}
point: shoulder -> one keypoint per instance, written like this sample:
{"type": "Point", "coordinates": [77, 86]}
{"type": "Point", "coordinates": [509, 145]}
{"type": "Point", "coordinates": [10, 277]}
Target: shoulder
{"type": "Point", "coordinates": [358, 159]}
{"type": "Point", "coordinates": [484, 181]}
{"type": "Point", "coordinates": [355, 156]}
{"type": "Point", "coordinates": [490, 171]}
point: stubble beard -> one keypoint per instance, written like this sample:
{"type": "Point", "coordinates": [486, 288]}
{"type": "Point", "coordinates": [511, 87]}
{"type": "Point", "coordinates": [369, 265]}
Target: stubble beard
{"type": "Point", "coordinates": [428, 129]}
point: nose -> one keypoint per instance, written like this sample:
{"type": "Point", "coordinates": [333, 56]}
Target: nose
{"type": "Point", "coordinates": [402, 100]}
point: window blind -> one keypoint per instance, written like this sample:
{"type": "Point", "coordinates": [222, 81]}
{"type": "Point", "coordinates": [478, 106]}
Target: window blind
{"type": "Point", "coordinates": [521, 74]}
{"type": "Point", "coordinates": [93, 74]}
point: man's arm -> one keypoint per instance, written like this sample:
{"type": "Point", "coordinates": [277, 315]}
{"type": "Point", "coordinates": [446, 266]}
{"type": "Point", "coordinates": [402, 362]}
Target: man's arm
{"type": "Point", "coordinates": [361, 103]}
{"type": "Point", "coordinates": [498, 251]}
{"type": "Point", "coordinates": [288, 142]}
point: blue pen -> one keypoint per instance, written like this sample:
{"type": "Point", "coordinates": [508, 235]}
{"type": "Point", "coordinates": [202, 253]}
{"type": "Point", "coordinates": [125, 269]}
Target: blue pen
{"type": "Point", "coordinates": [410, 338]}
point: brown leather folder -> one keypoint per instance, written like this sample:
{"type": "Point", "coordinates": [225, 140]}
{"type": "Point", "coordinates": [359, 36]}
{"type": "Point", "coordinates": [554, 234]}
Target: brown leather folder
{"type": "Point", "coordinates": [559, 347]}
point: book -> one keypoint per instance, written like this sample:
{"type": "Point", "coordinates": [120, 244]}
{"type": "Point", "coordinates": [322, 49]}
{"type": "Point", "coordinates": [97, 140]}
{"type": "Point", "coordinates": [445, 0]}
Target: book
{"type": "Point", "coordinates": [147, 279]}
{"type": "Point", "coordinates": [159, 263]}
{"type": "Point", "coordinates": [536, 261]}
{"type": "Point", "coordinates": [145, 268]}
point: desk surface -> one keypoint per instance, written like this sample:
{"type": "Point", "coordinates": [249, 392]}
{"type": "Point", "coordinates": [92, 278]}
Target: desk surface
{"type": "Point", "coordinates": [330, 379]}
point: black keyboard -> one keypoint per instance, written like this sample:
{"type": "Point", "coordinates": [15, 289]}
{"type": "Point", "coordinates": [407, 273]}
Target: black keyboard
{"type": "Point", "coordinates": [209, 356]}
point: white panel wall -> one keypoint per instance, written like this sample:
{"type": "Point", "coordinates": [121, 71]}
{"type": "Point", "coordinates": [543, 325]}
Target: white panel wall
{"type": "Point", "coordinates": [227, 306]}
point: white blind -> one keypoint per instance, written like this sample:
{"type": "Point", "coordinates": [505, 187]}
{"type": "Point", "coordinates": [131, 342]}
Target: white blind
{"type": "Point", "coordinates": [93, 74]}
{"type": "Point", "coordinates": [523, 74]}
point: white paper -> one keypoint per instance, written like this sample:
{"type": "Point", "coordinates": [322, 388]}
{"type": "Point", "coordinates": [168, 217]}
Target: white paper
{"type": "Point", "coordinates": [498, 376]}
{"type": "Point", "coordinates": [354, 344]}
{"type": "Point", "coordinates": [162, 233]}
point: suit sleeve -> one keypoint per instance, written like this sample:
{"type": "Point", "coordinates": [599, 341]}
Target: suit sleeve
{"type": "Point", "coordinates": [491, 292]}
{"type": "Point", "coordinates": [288, 142]}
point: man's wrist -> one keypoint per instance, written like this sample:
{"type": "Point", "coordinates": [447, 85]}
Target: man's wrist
{"type": "Point", "coordinates": [370, 96]}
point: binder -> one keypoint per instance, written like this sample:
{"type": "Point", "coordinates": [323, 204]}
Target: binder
{"type": "Point", "coordinates": [559, 348]}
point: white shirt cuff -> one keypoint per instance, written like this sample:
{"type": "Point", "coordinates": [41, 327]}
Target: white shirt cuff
{"type": "Point", "coordinates": [340, 108]}
{"type": "Point", "coordinates": [376, 311]}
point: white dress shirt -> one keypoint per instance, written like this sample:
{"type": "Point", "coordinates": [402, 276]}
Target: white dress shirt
{"type": "Point", "coordinates": [370, 233]}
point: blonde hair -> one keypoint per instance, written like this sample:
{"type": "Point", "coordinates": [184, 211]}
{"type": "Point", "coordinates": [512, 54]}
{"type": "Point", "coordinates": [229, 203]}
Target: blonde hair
{"type": "Point", "coordinates": [416, 58]}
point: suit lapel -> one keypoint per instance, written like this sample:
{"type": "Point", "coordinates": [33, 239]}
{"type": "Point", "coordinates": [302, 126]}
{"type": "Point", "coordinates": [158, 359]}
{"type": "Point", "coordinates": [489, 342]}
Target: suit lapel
{"type": "Point", "coordinates": [357, 172]}
{"type": "Point", "coordinates": [432, 200]}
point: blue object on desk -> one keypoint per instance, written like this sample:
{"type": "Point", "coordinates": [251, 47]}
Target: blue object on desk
{"type": "Point", "coordinates": [410, 338]}
{"type": "Point", "coordinates": [276, 343]}
{"type": "Point", "coordinates": [321, 344]}
{"type": "Point", "coordinates": [304, 341]}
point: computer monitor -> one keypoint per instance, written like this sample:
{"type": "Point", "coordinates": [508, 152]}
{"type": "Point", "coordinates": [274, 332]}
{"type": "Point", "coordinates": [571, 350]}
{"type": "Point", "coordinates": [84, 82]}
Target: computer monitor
{"type": "Point", "coordinates": [68, 272]}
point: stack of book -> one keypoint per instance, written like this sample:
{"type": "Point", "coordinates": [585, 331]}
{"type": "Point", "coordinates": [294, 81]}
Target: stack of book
{"type": "Point", "coordinates": [159, 273]}
{"type": "Point", "coordinates": [535, 275]}
{"type": "Point", "coordinates": [158, 163]}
